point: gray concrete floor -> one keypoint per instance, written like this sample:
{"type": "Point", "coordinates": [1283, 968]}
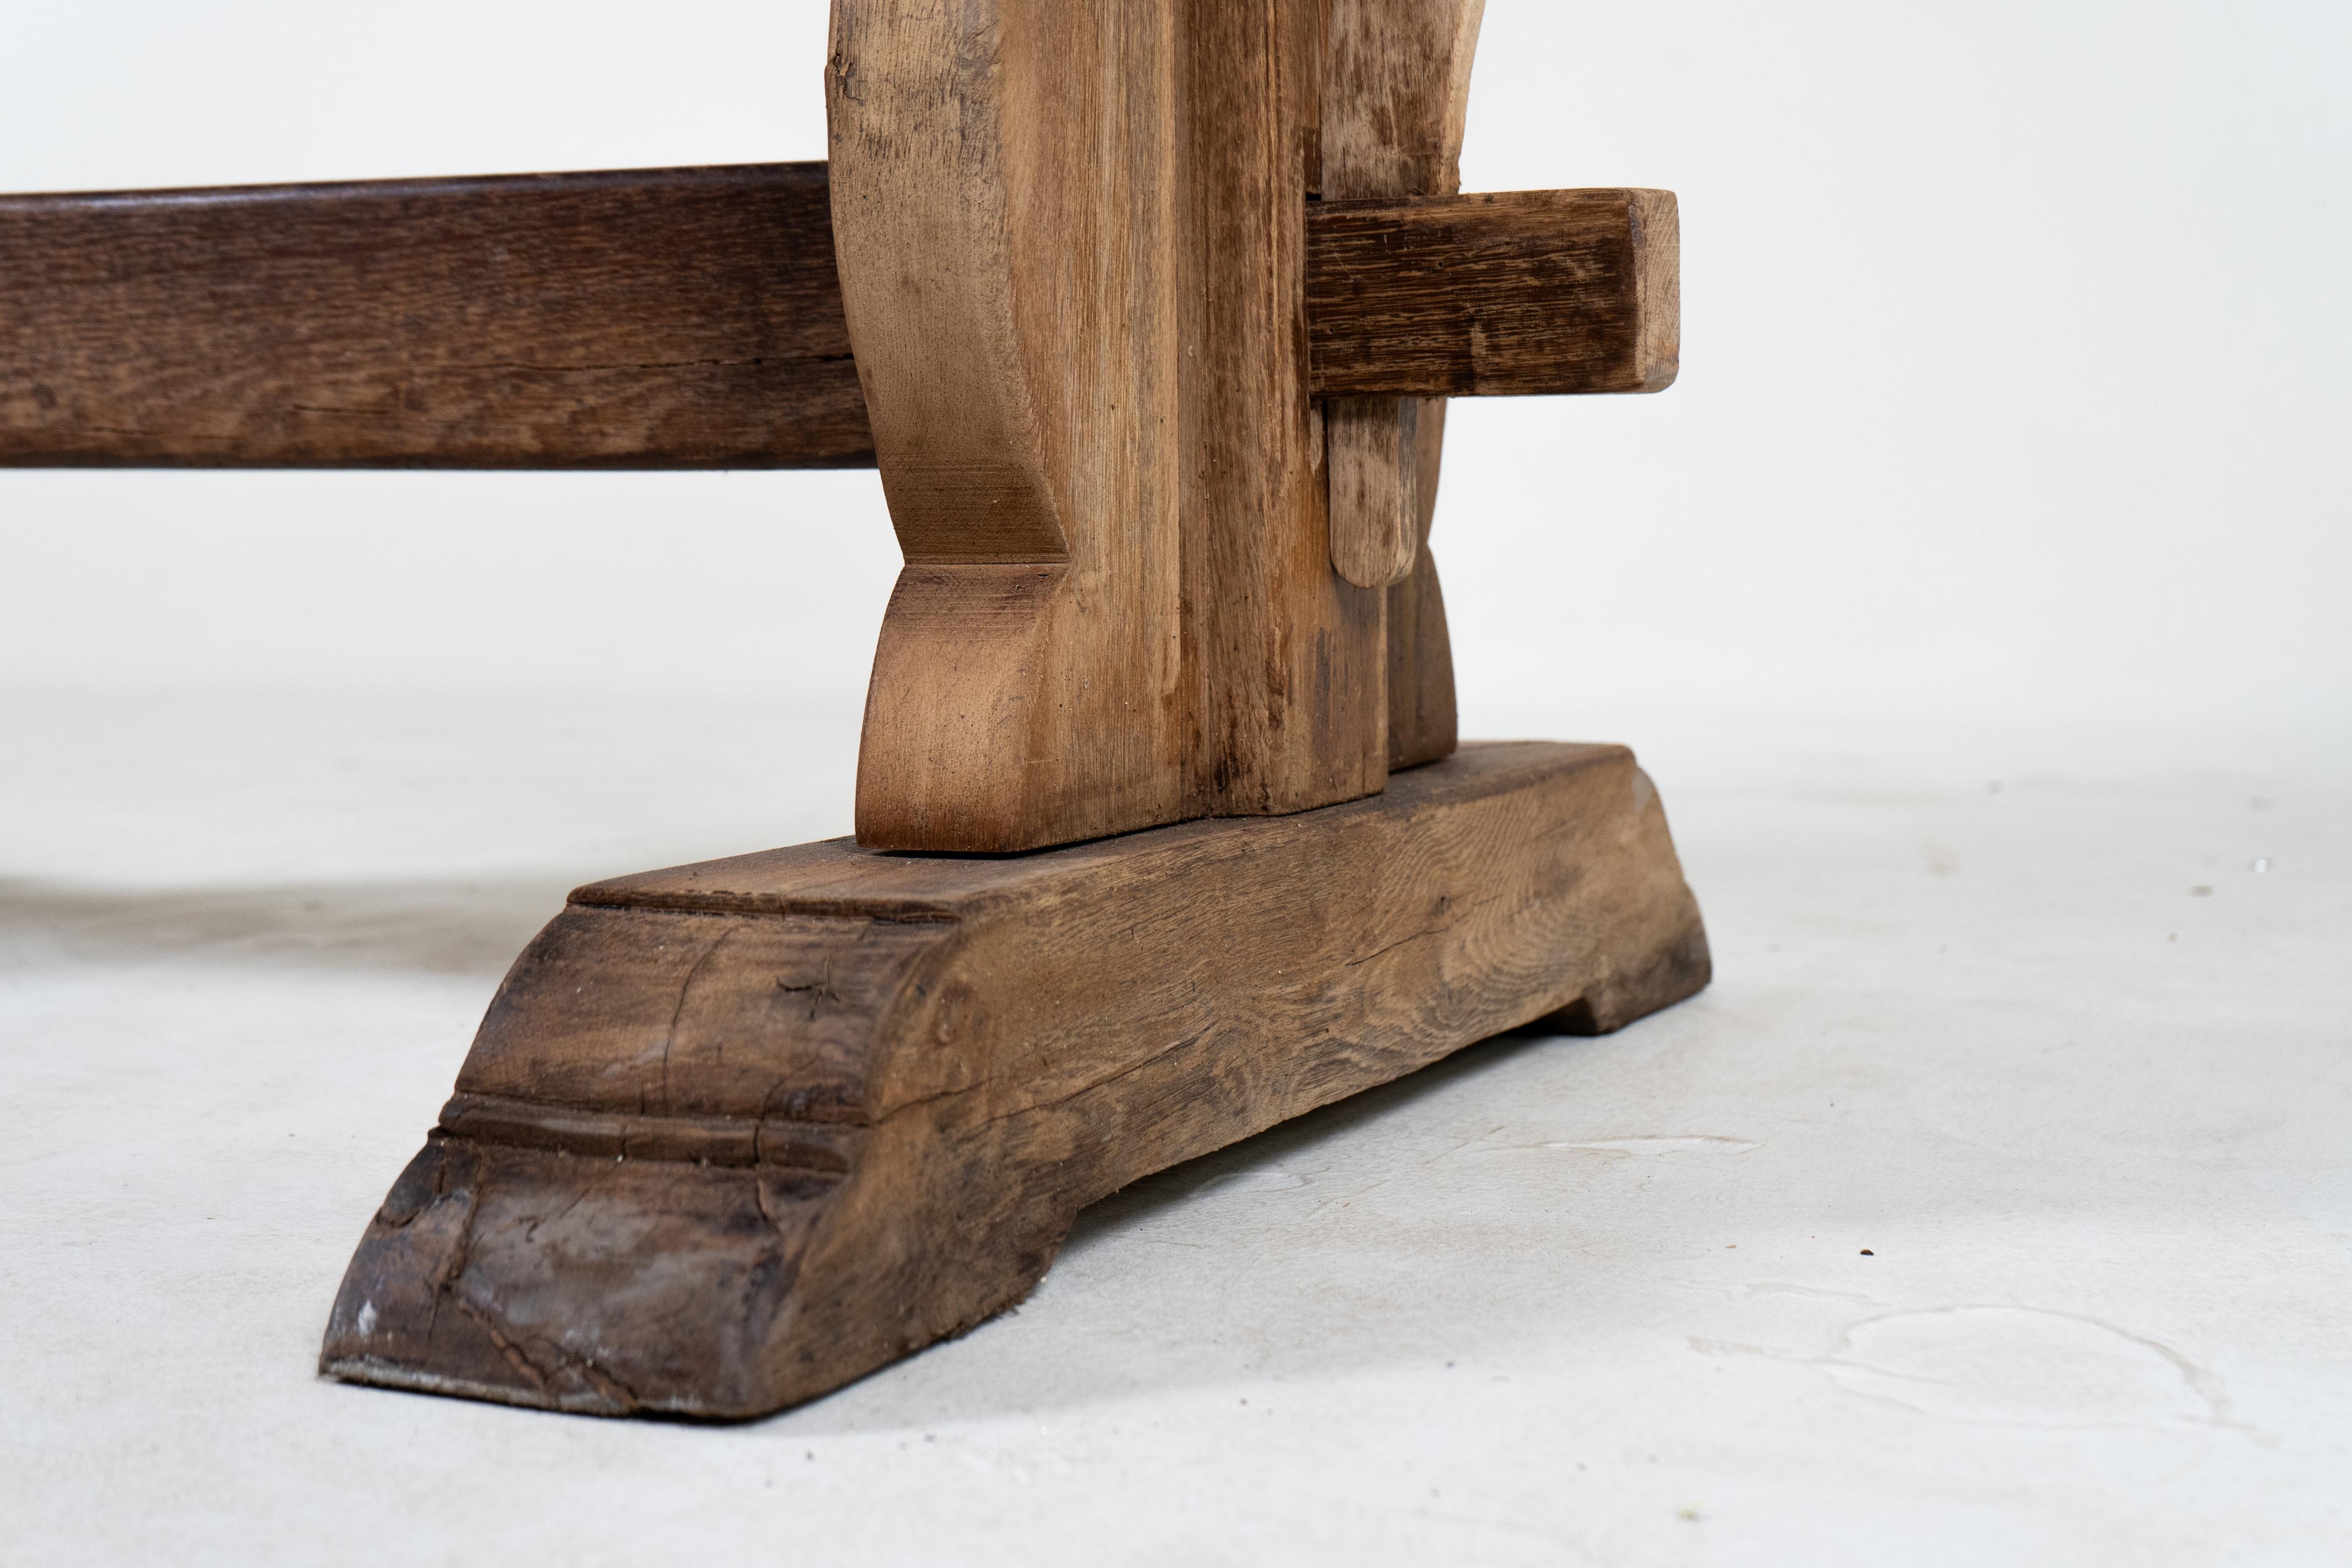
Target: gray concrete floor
{"type": "Point", "coordinates": [1994, 1205]}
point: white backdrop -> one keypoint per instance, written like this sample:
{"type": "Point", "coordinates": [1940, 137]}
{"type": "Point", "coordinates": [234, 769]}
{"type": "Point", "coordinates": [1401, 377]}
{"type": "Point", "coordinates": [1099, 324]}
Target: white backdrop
{"type": "Point", "coordinates": [2005, 459]}
{"type": "Point", "coordinates": [2012, 377]}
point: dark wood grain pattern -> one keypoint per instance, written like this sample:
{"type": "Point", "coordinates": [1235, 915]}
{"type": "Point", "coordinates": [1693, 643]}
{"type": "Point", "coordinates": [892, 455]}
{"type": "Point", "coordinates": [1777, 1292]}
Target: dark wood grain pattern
{"type": "Point", "coordinates": [673, 317]}
{"type": "Point", "coordinates": [667, 318]}
{"type": "Point", "coordinates": [1523, 293]}
{"type": "Point", "coordinates": [734, 1134]}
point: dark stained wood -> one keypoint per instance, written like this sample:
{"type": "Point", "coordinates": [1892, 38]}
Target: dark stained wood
{"type": "Point", "coordinates": [1527, 292]}
{"type": "Point", "coordinates": [664, 318]}
{"type": "Point", "coordinates": [672, 318]}
{"type": "Point", "coordinates": [734, 1134]}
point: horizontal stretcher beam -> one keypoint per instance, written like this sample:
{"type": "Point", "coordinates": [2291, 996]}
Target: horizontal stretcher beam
{"type": "Point", "coordinates": [675, 318]}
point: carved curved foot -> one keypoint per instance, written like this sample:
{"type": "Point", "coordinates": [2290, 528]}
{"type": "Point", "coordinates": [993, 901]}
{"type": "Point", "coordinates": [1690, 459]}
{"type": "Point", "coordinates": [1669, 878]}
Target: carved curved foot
{"type": "Point", "coordinates": [735, 1134]}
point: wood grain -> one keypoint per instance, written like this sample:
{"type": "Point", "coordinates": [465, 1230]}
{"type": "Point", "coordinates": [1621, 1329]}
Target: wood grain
{"type": "Point", "coordinates": [734, 1134]}
{"type": "Point", "coordinates": [1397, 91]}
{"type": "Point", "coordinates": [1073, 242]}
{"type": "Point", "coordinates": [650, 319]}
{"type": "Point", "coordinates": [1374, 449]}
{"type": "Point", "coordinates": [1004, 176]}
{"type": "Point", "coordinates": [659, 318]}
{"type": "Point", "coordinates": [1396, 95]}
{"type": "Point", "coordinates": [1520, 293]}
{"type": "Point", "coordinates": [1422, 725]}
{"type": "Point", "coordinates": [1287, 661]}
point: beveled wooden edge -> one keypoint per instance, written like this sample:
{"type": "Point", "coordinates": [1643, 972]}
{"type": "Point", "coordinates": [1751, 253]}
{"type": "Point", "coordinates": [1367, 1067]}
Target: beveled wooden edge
{"type": "Point", "coordinates": [734, 1134]}
{"type": "Point", "coordinates": [841, 878]}
{"type": "Point", "coordinates": [670, 318]}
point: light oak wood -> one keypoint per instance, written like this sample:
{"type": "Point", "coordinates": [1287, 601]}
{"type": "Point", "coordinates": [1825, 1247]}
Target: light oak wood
{"type": "Point", "coordinates": [1421, 717]}
{"type": "Point", "coordinates": [1073, 241]}
{"type": "Point", "coordinates": [1397, 91]}
{"type": "Point", "coordinates": [1396, 96]}
{"type": "Point", "coordinates": [734, 1134]}
{"type": "Point", "coordinates": [1288, 661]}
{"type": "Point", "coordinates": [1374, 453]}
{"type": "Point", "coordinates": [1005, 209]}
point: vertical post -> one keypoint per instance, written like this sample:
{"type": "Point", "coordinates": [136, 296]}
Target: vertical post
{"type": "Point", "coordinates": [1396, 88]}
{"type": "Point", "coordinates": [1286, 660]}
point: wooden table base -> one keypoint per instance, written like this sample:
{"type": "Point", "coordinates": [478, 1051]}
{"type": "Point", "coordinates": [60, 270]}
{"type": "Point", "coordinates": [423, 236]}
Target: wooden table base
{"type": "Point", "coordinates": [735, 1134]}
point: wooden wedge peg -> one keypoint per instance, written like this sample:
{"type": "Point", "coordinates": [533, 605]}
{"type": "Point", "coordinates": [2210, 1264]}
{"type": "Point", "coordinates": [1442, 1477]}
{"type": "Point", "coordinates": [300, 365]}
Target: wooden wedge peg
{"type": "Point", "coordinates": [1149, 312]}
{"type": "Point", "coordinates": [1374, 447]}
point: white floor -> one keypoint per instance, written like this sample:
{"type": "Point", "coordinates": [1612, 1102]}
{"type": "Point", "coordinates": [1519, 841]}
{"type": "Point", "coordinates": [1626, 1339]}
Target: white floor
{"type": "Point", "coordinates": [1995, 1206]}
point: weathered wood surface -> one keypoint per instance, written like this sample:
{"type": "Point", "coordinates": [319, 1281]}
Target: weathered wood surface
{"type": "Point", "coordinates": [1073, 240]}
{"type": "Point", "coordinates": [1374, 450]}
{"type": "Point", "coordinates": [650, 318]}
{"type": "Point", "coordinates": [1396, 90]}
{"type": "Point", "coordinates": [1523, 292]}
{"type": "Point", "coordinates": [1422, 719]}
{"type": "Point", "coordinates": [1004, 199]}
{"type": "Point", "coordinates": [1288, 661]}
{"type": "Point", "coordinates": [734, 1134]}
{"type": "Point", "coordinates": [654, 318]}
